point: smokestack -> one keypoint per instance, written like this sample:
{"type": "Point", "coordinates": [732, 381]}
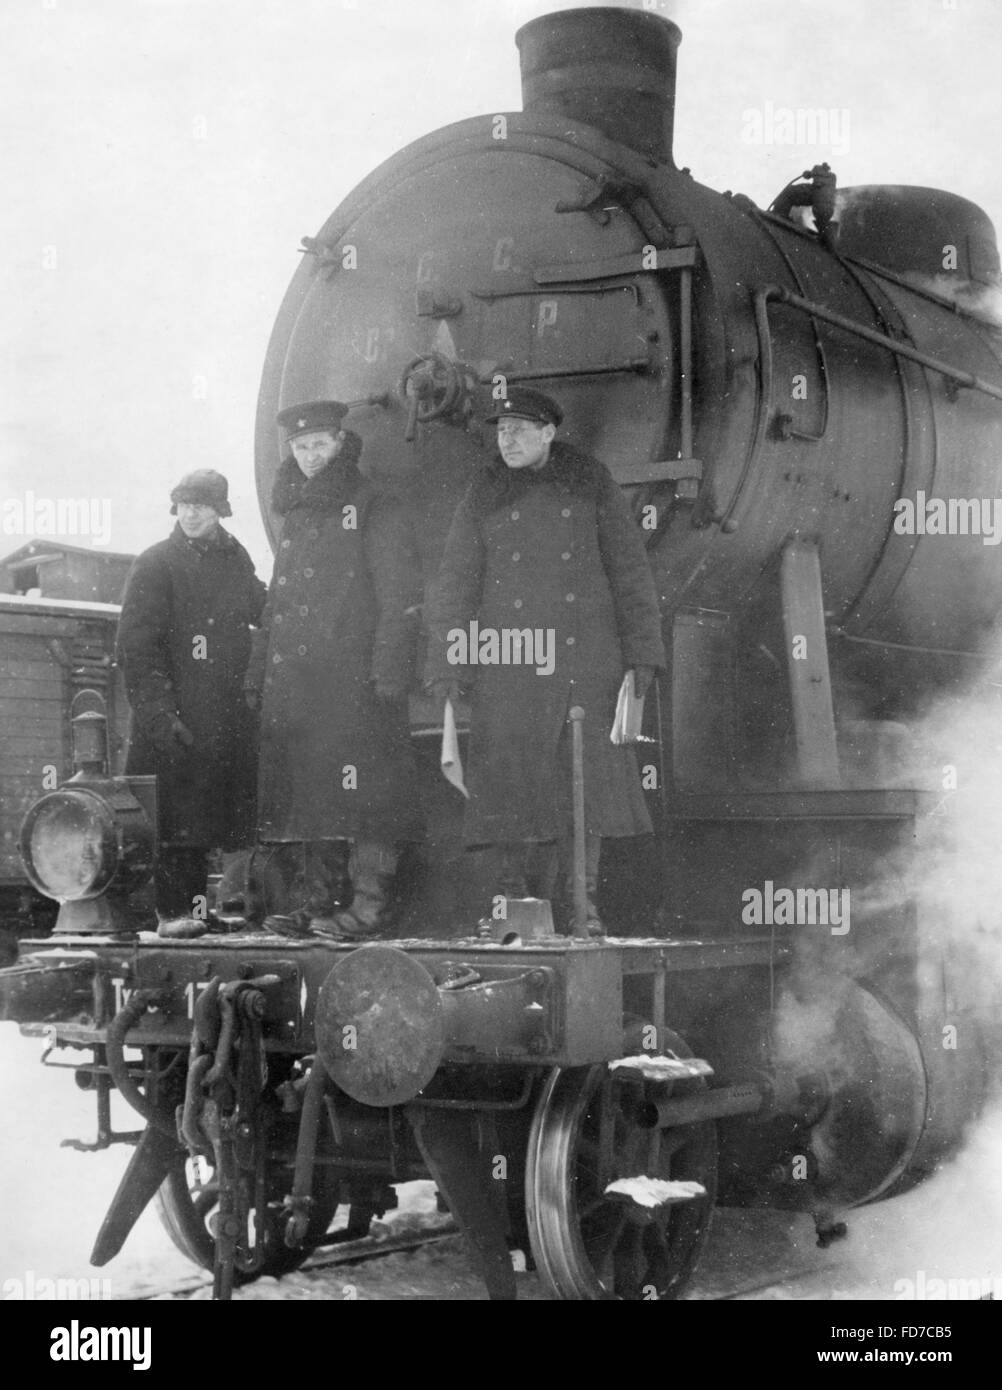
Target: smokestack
{"type": "Point", "coordinates": [609, 68]}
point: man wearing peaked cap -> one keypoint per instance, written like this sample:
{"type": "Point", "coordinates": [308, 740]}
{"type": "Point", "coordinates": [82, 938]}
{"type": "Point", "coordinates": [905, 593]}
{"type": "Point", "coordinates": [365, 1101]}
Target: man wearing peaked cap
{"type": "Point", "coordinates": [332, 678]}
{"type": "Point", "coordinates": [524, 404]}
{"type": "Point", "coordinates": [313, 416]}
{"type": "Point", "coordinates": [543, 544]}
{"type": "Point", "coordinates": [184, 640]}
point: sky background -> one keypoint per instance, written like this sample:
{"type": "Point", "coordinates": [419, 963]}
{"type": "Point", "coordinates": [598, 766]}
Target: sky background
{"type": "Point", "coordinates": [162, 158]}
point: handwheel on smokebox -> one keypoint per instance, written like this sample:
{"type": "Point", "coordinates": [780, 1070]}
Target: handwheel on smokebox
{"type": "Point", "coordinates": [187, 1201]}
{"type": "Point", "coordinates": [592, 1126]}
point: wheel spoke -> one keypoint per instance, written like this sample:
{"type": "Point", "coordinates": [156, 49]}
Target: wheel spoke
{"type": "Point", "coordinates": [654, 1153]}
{"type": "Point", "coordinates": [588, 1155]}
{"type": "Point", "coordinates": [603, 1245]}
{"type": "Point", "coordinates": [672, 1140]}
{"type": "Point", "coordinates": [594, 1204]}
{"type": "Point", "coordinates": [629, 1263]}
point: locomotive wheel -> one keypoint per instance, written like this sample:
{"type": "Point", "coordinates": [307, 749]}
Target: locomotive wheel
{"type": "Point", "coordinates": [591, 1246]}
{"type": "Point", "coordinates": [186, 1202]}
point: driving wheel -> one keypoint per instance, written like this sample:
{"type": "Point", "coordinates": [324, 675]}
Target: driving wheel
{"type": "Point", "coordinates": [591, 1127]}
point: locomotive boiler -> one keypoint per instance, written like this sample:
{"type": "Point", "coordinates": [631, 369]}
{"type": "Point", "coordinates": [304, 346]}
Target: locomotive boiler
{"type": "Point", "coordinates": [766, 1025]}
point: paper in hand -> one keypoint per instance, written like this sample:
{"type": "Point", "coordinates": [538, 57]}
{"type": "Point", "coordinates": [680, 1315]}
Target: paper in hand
{"type": "Point", "coordinates": [629, 718]}
{"type": "Point", "coordinates": [452, 765]}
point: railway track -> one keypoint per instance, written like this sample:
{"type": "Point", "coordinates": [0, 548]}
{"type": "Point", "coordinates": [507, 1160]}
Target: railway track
{"type": "Point", "coordinates": [373, 1248]}
{"type": "Point", "coordinates": [345, 1253]}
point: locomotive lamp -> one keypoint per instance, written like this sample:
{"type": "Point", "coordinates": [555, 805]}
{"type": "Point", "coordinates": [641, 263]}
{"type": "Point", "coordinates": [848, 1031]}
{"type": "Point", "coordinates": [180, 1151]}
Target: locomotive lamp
{"type": "Point", "coordinates": [89, 844]}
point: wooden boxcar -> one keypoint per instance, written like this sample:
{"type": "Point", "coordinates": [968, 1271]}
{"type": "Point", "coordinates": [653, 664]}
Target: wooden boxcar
{"type": "Point", "coordinates": [51, 648]}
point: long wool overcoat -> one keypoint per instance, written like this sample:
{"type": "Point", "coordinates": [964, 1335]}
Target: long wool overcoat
{"type": "Point", "coordinates": [342, 614]}
{"type": "Point", "coordinates": [184, 639]}
{"type": "Point", "coordinates": [556, 551]}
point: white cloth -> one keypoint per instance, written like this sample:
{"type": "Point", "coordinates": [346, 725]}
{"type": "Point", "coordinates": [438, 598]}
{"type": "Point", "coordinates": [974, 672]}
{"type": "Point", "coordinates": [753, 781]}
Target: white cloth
{"type": "Point", "coordinates": [629, 717]}
{"type": "Point", "coordinates": [452, 764]}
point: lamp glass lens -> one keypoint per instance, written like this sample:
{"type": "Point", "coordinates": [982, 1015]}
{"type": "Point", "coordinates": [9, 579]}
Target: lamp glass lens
{"type": "Point", "coordinates": [66, 848]}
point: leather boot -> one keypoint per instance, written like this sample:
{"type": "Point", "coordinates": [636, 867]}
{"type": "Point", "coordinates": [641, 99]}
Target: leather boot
{"type": "Point", "coordinates": [328, 883]}
{"type": "Point", "coordinates": [181, 878]}
{"type": "Point", "coordinates": [314, 886]}
{"type": "Point", "coordinates": [373, 912]}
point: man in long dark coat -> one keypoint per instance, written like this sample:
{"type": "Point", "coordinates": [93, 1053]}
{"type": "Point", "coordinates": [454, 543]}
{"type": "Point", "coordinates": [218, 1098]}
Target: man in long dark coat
{"type": "Point", "coordinates": [544, 541]}
{"type": "Point", "coordinates": [184, 640]}
{"type": "Point", "coordinates": [341, 623]}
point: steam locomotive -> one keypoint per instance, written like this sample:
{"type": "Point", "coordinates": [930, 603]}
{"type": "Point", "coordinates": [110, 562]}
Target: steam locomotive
{"type": "Point", "coordinates": [766, 1025]}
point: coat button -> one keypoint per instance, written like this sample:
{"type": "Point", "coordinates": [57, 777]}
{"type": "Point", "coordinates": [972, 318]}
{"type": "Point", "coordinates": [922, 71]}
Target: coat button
{"type": "Point", "coordinates": [518, 603]}
{"type": "Point", "coordinates": [570, 642]}
{"type": "Point", "coordinates": [566, 555]}
{"type": "Point", "coordinates": [286, 544]}
{"type": "Point", "coordinates": [280, 617]}
{"type": "Point", "coordinates": [566, 511]}
{"type": "Point", "coordinates": [570, 598]}
{"type": "Point", "coordinates": [302, 651]}
{"type": "Point", "coordinates": [276, 658]}
{"type": "Point", "coordinates": [282, 580]}
{"type": "Point", "coordinates": [308, 573]}
{"type": "Point", "coordinates": [514, 516]}
{"type": "Point", "coordinates": [304, 611]}
{"type": "Point", "coordinates": [515, 555]}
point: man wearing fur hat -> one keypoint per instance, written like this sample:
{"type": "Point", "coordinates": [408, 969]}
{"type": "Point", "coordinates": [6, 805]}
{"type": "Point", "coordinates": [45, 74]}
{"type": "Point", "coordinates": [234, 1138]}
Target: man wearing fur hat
{"type": "Point", "coordinates": [332, 681]}
{"type": "Point", "coordinates": [184, 640]}
{"type": "Point", "coordinates": [543, 541]}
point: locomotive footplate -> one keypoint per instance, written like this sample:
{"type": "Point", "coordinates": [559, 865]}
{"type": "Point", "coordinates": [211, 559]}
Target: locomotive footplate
{"type": "Point", "coordinates": [553, 1003]}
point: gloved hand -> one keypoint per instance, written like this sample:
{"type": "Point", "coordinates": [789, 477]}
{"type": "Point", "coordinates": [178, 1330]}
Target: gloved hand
{"type": "Point", "coordinates": [169, 734]}
{"type": "Point", "coordinates": [642, 678]}
{"type": "Point", "coordinates": [444, 689]}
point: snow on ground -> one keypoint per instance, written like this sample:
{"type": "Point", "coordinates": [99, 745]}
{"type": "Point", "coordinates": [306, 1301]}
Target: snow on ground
{"type": "Point", "coordinates": [53, 1200]}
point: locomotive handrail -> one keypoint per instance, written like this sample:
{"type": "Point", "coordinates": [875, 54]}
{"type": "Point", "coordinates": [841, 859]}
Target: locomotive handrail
{"type": "Point", "coordinates": [871, 335]}
{"type": "Point", "coordinates": [875, 268]}
{"type": "Point", "coordinates": [726, 517]}
{"type": "Point", "coordinates": [776, 293]}
{"type": "Point", "coordinates": [667, 258]}
{"type": "Point", "coordinates": [632, 364]}
{"type": "Point", "coordinates": [764, 331]}
{"type": "Point", "coordinates": [784, 422]}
